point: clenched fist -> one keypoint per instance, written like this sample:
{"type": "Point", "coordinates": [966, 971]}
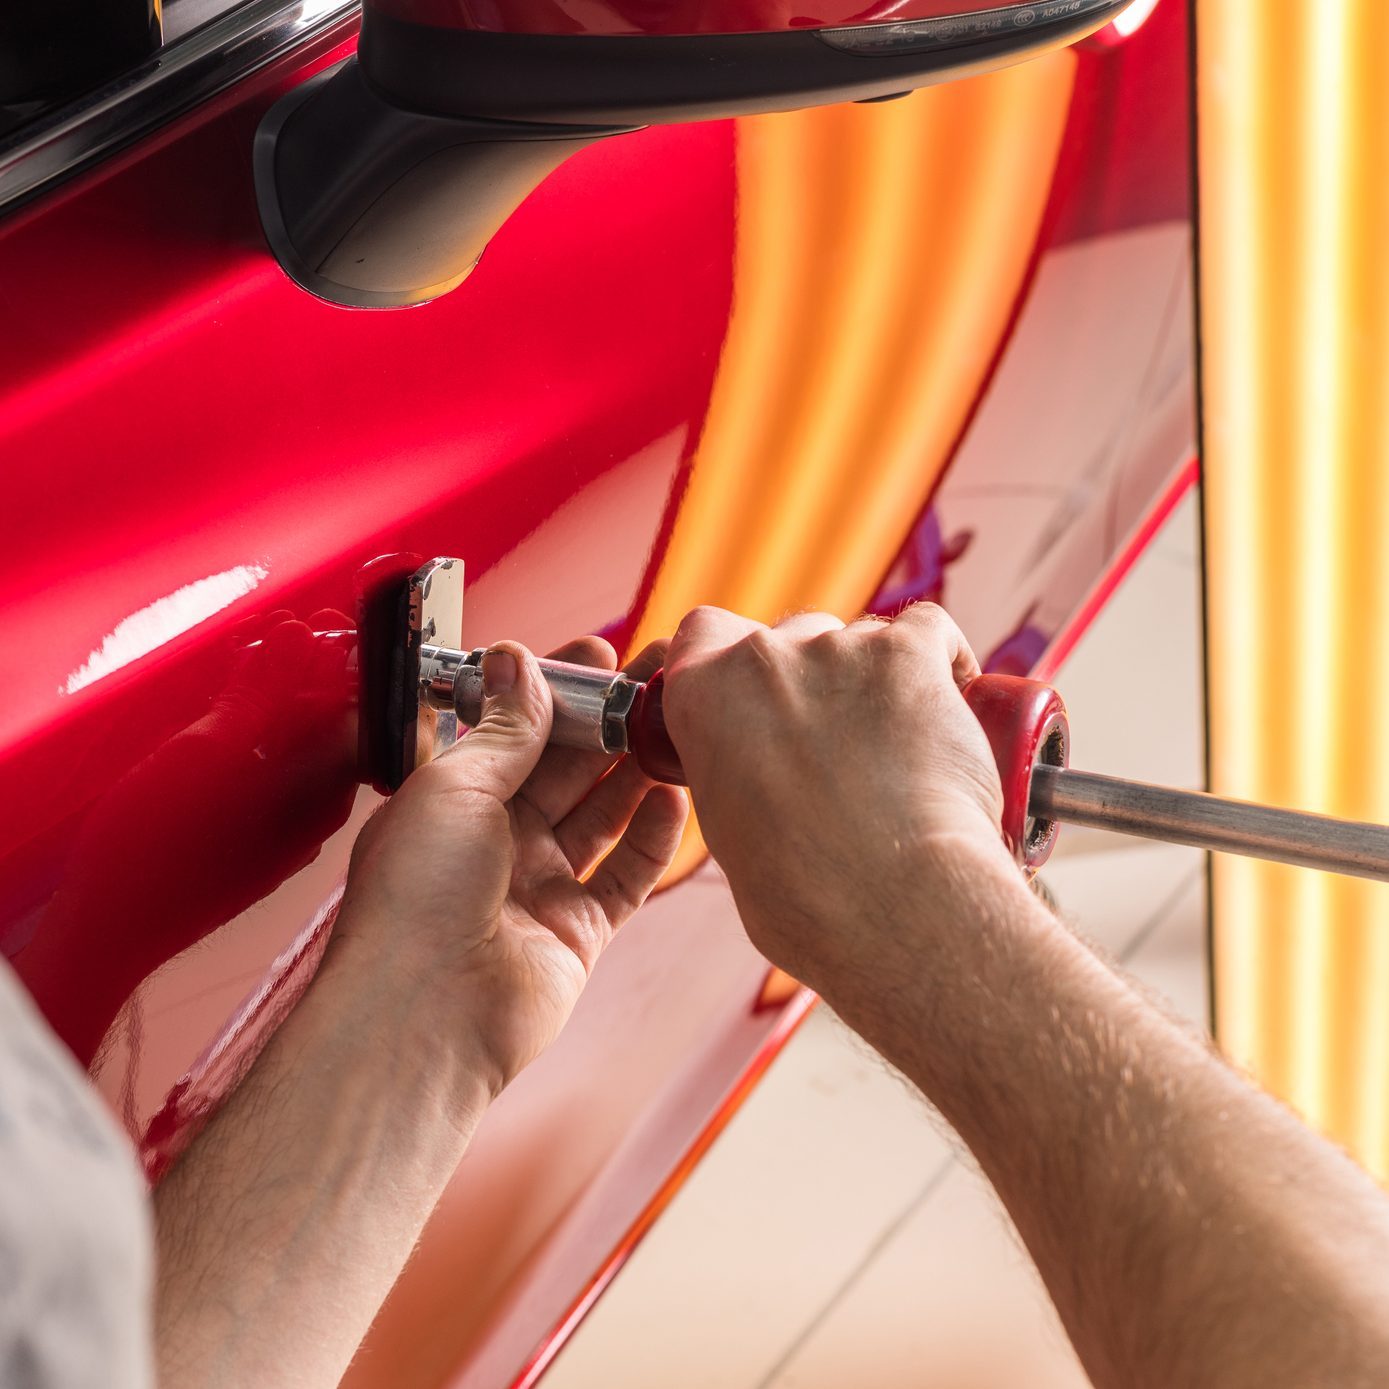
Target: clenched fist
{"type": "Point", "coordinates": [829, 764]}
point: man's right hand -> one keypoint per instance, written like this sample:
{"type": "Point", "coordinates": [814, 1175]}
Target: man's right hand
{"type": "Point", "coordinates": [830, 765]}
{"type": "Point", "coordinates": [1190, 1231]}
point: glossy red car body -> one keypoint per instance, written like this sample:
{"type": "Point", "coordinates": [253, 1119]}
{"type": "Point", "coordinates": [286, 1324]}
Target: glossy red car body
{"type": "Point", "coordinates": [198, 456]}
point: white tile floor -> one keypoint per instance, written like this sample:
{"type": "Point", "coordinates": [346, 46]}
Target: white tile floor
{"type": "Point", "coordinates": [834, 1236]}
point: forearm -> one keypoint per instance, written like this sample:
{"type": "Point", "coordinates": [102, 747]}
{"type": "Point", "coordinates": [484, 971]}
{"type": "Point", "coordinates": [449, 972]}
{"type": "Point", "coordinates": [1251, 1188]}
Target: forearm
{"type": "Point", "coordinates": [478, 902]}
{"type": "Point", "coordinates": [285, 1225]}
{"type": "Point", "coordinates": [1188, 1228]}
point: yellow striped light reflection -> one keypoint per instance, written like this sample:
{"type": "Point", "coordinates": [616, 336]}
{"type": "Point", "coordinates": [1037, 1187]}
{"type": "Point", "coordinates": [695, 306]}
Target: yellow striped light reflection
{"type": "Point", "coordinates": [1293, 122]}
{"type": "Point", "coordinates": [880, 251]}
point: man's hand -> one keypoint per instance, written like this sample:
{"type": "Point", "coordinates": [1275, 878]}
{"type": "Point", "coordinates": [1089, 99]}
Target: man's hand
{"type": "Point", "coordinates": [1189, 1230]}
{"type": "Point", "coordinates": [827, 763]}
{"type": "Point", "coordinates": [478, 901]}
{"type": "Point", "coordinates": [473, 884]}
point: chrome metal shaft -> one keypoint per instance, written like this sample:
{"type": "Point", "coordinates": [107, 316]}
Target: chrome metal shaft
{"type": "Point", "coordinates": [1210, 822]}
{"type": "Point", "coordinates": [590, 705]}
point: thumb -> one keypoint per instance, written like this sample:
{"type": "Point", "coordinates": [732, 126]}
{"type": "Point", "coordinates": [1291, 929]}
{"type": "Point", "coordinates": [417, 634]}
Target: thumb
{"type": "Point", "coordinates": [502, 748]}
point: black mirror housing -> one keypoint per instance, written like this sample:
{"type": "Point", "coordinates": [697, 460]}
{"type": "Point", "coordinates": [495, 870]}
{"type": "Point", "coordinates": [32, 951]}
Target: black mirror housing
{"type": "Point", "coordinates": [650, 79]}
{"type": "Point", "coordinates": [381, 182]}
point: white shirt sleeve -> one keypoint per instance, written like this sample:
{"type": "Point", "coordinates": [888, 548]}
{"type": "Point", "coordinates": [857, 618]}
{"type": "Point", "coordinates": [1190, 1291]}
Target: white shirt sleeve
{"type": "Point", "coordinates": [76, 1247]}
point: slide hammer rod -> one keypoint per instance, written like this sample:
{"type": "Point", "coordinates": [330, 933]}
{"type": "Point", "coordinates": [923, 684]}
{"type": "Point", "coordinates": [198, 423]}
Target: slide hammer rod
{"type": "Point", "coordinates": [1210, 822]}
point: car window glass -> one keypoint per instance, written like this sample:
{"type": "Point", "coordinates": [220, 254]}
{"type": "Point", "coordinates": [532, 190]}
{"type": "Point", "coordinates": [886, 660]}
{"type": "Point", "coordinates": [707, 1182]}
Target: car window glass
{"type": "Point", "coordinates": [60, 50]}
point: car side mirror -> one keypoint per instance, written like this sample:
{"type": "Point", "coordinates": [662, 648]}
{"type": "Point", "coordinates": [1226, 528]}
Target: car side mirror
{"type": "Point", "coordinates": [381, 181]}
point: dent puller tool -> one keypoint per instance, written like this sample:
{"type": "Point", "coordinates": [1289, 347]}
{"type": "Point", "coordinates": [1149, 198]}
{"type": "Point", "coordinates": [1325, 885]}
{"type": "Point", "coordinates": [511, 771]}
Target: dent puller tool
{"type": "Point", "coordinates": [429, 687]}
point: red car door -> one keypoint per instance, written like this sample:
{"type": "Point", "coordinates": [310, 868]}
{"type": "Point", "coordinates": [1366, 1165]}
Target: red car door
{"type": "Point", "coordinates": [938, 347]}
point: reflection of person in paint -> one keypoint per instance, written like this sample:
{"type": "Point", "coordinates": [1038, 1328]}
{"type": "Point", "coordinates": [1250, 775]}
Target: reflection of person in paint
{"type": "Point", "coordinates": [1191, 1231]}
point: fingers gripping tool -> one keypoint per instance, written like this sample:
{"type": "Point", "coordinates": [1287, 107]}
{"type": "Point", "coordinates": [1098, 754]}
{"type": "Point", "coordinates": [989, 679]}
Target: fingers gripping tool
{"type": "Point", "coordinates": [1024, 721]}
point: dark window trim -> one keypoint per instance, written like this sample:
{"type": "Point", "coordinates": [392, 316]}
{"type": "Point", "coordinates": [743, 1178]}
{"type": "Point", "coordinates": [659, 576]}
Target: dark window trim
{"type": "Point", "coordinates": [180, 76]}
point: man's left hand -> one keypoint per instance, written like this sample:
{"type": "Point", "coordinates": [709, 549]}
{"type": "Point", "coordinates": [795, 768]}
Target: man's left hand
{"type": "Point", "coordinates": [496, 876]}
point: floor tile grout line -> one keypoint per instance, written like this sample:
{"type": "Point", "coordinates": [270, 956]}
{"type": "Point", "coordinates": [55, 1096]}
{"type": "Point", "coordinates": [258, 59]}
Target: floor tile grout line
{"type": "Point", "coordinates": [865, 1262]}
{"type": "Point", "coordinates": [1156, 920]}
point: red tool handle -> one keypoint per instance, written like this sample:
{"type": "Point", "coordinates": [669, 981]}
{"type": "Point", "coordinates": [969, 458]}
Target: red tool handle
{"type": "Point", "coordinates": [1024, 721]}
{"type": "Point", "coordinates": [647, 736]}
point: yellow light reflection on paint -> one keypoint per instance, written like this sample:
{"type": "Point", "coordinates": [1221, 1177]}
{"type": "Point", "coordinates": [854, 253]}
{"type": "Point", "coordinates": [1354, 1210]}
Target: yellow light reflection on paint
{"type": "Point", "coordinates": [880, 252]}
{"type": "Point", "coordinates": [1293, 122]}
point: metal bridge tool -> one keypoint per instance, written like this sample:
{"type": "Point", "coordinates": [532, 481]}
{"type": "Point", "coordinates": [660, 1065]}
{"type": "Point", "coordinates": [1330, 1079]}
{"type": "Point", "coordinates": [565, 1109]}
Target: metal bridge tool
{"type": "Point", "coordinates": [1025, 722]}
